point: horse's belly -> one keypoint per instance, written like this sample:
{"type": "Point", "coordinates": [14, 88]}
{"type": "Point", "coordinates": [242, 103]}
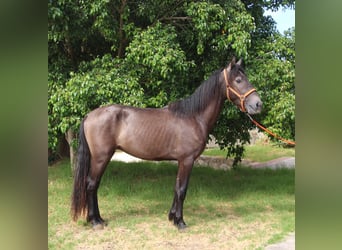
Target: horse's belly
{"type": "Point", "coordinates": [150, 145]}
{"type": "Point", "coordinates": [148, 152]}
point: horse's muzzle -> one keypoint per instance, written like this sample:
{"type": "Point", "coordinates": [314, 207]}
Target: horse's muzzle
{"type": "Point", "coordinates": [253, 105]}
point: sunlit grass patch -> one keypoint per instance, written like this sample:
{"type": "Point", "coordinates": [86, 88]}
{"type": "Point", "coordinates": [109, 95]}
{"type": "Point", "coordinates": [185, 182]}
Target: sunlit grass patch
{"type": "Point", "coordinates": [258, 153]}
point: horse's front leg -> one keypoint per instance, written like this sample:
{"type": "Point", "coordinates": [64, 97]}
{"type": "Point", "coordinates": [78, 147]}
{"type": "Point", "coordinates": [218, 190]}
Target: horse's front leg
{"type": "Point", "coordinates": [183, 176]}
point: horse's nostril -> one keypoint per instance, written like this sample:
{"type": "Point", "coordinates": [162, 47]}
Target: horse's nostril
{"type": "Point", "coordinates": [259, 104]}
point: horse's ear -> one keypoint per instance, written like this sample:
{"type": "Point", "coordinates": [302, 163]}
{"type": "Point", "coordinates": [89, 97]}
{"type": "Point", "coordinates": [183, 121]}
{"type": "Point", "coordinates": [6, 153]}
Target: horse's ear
{"type": "Point", "coordinates": [231, 64]}
{"type": "Point", "coordinates": [233, 61]}
{"type": "Point", "coordinates": [229, 67]}
{"type": "Point", "coordinates": [239, 62]}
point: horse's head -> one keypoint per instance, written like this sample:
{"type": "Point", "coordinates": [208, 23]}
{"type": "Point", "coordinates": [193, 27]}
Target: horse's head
{"type": "Point", "coordinates": [239, 90]}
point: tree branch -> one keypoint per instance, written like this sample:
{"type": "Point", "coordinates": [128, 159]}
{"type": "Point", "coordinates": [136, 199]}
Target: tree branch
{"type": "Point", "coordinates": [182, 18]}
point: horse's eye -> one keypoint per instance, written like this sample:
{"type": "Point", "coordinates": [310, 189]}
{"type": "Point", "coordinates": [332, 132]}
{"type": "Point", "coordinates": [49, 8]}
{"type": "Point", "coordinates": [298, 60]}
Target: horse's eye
{"type": "Point", "coordinates": [238, 80]}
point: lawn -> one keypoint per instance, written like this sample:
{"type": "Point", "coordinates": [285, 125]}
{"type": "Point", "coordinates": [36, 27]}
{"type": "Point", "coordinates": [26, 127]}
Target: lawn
{"type": "Point", "coordinates": [258, 153]}
{"type": "Point", "coordinates": [237, 209]}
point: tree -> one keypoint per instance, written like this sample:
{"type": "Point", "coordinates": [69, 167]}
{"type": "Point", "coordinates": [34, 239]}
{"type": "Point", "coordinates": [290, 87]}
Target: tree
{"type": "Point", "coordinates": [148, 53]}
{"type": "Point", "coordinates": [275, 73]}
{"type": "Point", "coordinates": [96, 83]}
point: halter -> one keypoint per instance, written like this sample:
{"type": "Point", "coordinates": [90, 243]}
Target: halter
{"type": "Point", "coordinates": [241, 97]}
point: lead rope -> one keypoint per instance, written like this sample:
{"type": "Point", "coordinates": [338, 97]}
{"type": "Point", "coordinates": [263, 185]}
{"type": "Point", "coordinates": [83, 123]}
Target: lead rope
{"type": "Point", "coordinates": [292, 143]}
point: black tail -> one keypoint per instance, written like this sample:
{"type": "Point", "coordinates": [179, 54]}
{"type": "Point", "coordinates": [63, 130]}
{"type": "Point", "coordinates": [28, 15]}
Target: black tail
{"type": "Point", "coordinates": [79, 195]}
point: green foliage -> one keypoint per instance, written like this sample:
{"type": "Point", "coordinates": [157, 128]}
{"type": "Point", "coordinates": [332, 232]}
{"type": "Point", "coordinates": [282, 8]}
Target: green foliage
{"type": "Point", "coordinates": [274, 75]}
{"type": "Point", "coordinates": [239, 27]}
{"type": "Point", "coordinates": [231, 132]}
{"type": "Point", "coordinates": [219, 31]}
{"type": "Point", "coordinates": [148, 53]}
{"type": "Point", "coordinates": [97, 83]}
{"type": "Point", "coordinates": [160, 63]}
{"type": "Point", "coordinates": [207, 19]}
{"type": "Point", "coordinates": [276, 4]}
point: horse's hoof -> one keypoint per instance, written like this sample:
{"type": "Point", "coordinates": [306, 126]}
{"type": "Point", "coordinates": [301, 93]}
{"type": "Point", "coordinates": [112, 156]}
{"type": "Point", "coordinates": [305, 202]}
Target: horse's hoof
{"type": "Point", "coordinates": [181, 226]}
{"type": "Point", "coordinates": [171, 216]}
{"type": "Point", "coordinates": [98, 226]}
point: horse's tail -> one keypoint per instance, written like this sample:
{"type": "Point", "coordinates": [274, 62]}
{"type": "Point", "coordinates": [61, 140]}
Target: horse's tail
{"type": "Point", "coordinates": [79, 195]}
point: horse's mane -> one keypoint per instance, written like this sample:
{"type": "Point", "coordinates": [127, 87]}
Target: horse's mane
{"type": "Point", "coordinates": [199, 100]}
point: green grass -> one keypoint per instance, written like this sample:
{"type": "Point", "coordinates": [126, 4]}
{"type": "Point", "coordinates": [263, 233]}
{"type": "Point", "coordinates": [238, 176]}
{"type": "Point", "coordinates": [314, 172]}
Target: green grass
{"type": "Point", "coordinates": [258, 153]}
{"type": "Point", "coordinates": [241, 209]}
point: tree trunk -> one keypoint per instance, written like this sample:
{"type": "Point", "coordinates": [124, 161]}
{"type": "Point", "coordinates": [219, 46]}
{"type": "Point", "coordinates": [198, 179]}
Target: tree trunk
{"type": "Point", "coordinates": [70, 136]}
{"type": "Point", "coordinates": [122, 39]}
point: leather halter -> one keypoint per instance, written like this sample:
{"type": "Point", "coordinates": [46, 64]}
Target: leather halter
{"type": "Point", "coordinates": [241, 97]}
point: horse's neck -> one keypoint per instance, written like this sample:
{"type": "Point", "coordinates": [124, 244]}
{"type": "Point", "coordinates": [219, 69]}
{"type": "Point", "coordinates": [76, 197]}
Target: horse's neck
{"type": "Point", "coordinates": [210, 115]}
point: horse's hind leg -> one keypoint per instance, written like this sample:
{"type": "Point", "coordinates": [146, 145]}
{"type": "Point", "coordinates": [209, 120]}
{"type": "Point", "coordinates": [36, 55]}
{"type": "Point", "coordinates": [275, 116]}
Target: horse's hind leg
{"type": "Point", "coordinates": [98, 166]}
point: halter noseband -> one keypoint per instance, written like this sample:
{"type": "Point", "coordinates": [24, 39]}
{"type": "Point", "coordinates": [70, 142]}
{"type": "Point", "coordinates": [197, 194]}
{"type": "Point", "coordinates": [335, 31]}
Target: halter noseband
{"type": "Point", "coordinates": [241, 97]}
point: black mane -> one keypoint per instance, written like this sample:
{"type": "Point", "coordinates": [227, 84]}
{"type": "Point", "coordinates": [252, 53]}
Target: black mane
{"type": "Point", "coordinates": [199, 100]}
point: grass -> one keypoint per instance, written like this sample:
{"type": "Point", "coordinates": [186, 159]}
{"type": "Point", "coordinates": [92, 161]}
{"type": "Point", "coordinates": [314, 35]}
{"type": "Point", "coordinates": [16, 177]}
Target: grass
{"type": "Point", "coordinates": [241, 209]}
{"type": "Point", "coordinates": [258, 153]}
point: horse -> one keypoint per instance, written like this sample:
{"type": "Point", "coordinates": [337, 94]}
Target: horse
{"type": "Point", "coordinates": [178, 131]}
